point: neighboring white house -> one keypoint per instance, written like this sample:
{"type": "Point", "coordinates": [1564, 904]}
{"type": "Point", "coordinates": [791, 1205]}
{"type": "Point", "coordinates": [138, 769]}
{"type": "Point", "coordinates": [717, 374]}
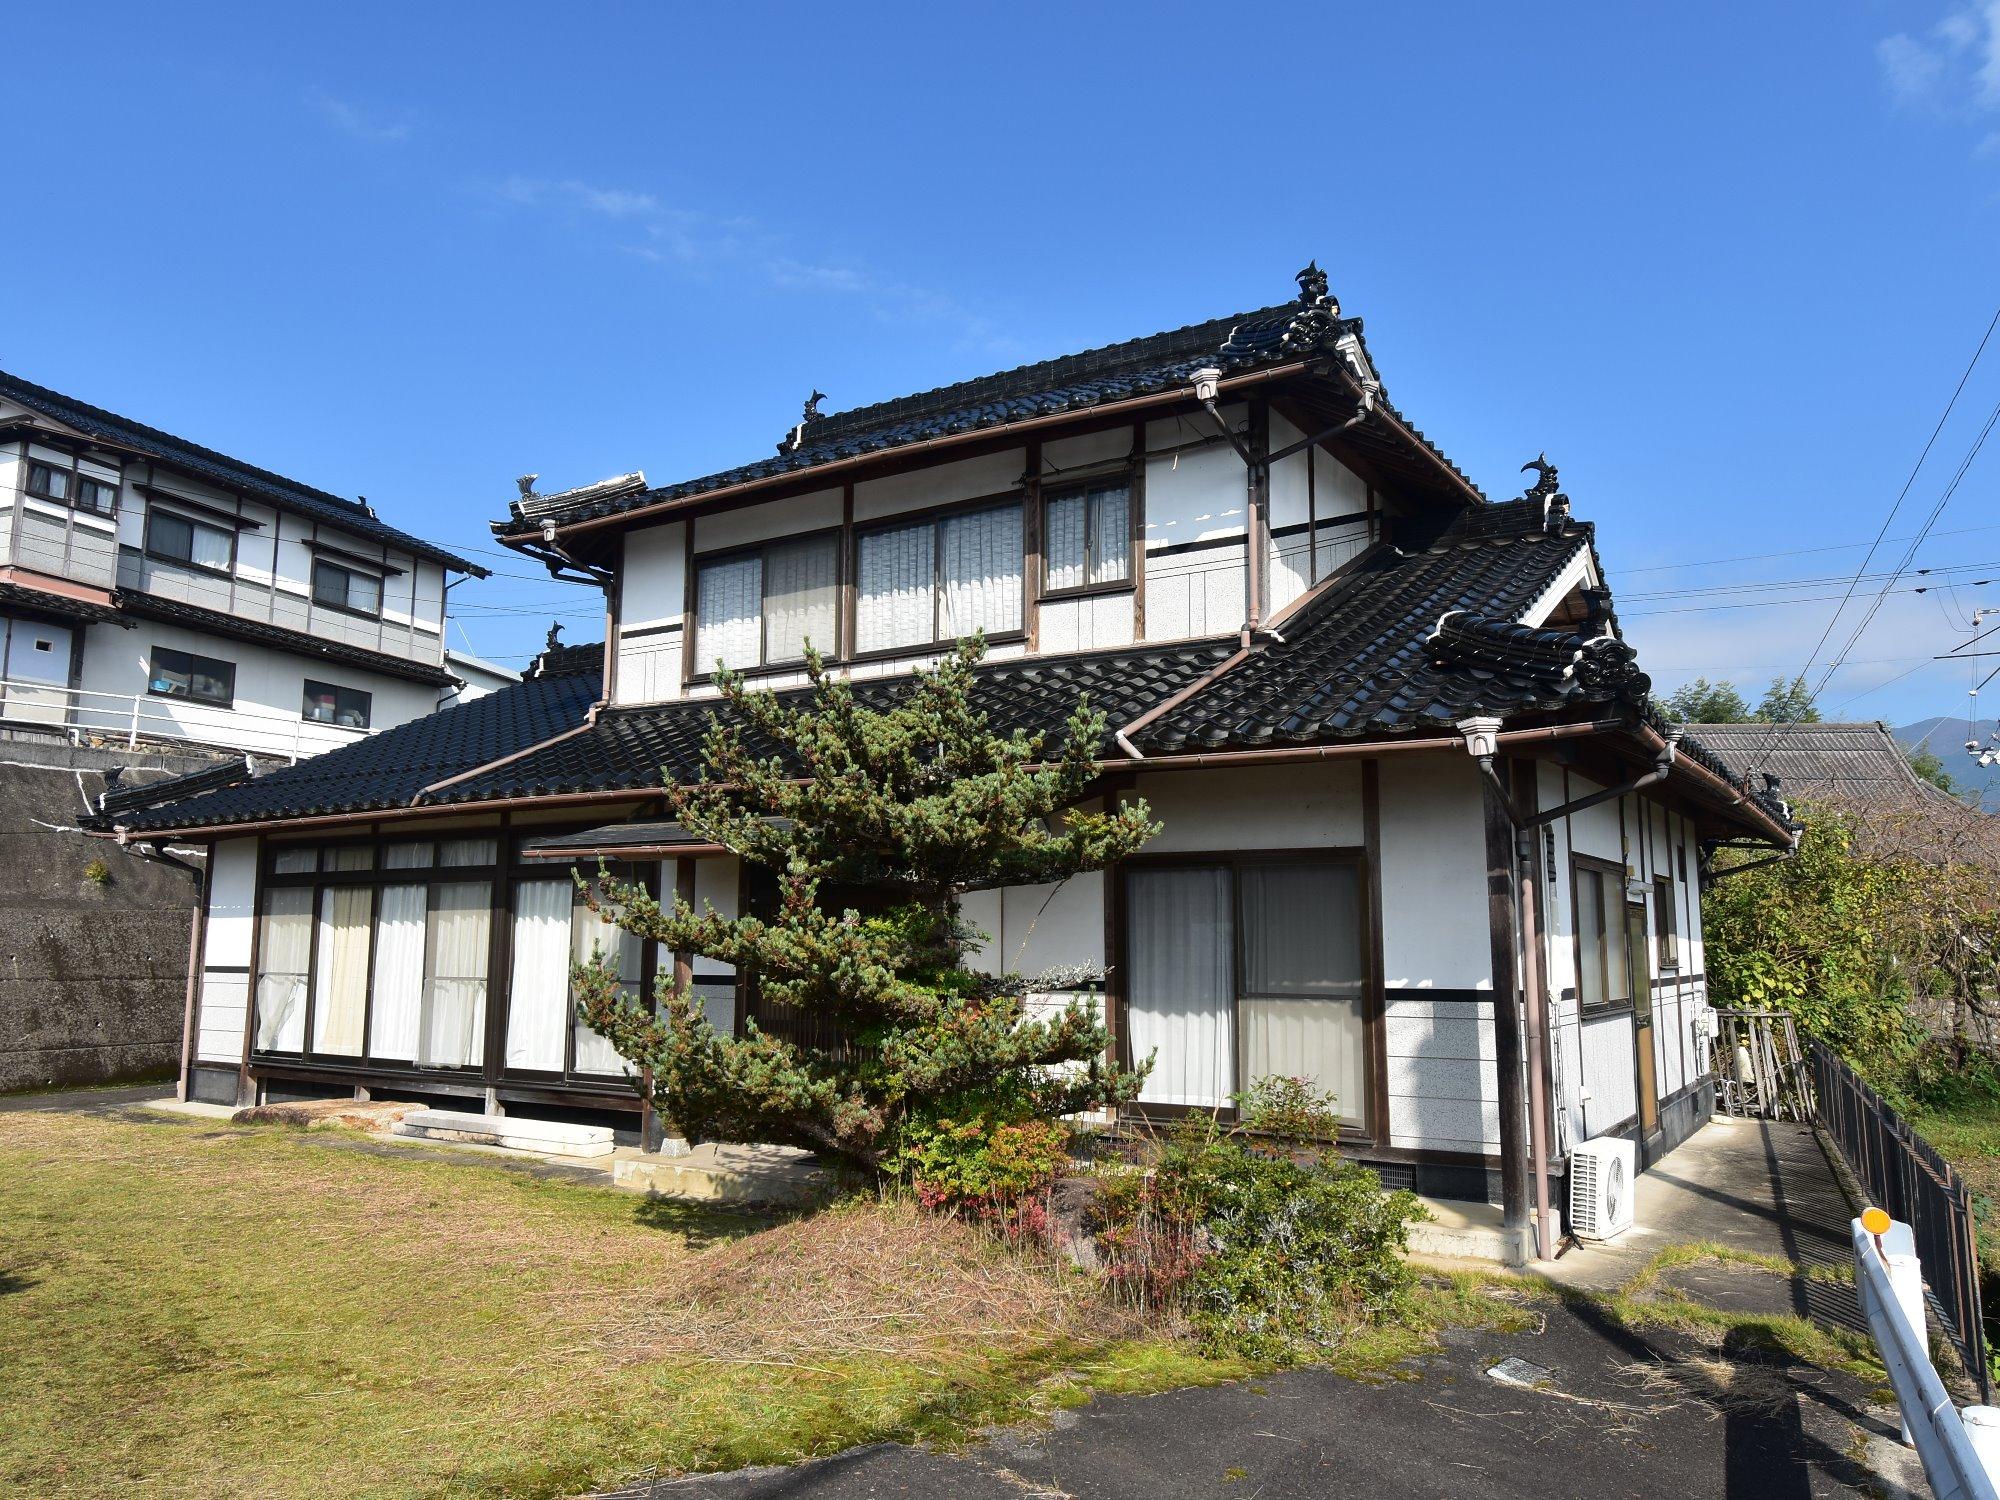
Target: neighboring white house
{"type": "Point", "coordinates": [151, 588]}
{"type": "Point", "coordinates": [1388, 727]}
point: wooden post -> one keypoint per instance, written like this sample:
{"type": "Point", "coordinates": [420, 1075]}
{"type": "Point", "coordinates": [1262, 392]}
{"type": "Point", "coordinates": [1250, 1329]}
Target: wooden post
{"type": "Point", "coordinates": [1506, 1010]}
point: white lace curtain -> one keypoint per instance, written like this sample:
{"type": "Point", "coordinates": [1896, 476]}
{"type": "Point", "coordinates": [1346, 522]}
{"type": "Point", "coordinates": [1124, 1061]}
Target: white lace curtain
{"type": "Point", "coordinates": [895, 600]}
{"type": "Point", "coordinates": [454, 1024]}
{"type": "Point", "coordinates": [729, 601]}
{"type": "Point", "coordinates": [538, 989]}
{"type": "Point", "coordinates": [1182, 945]}
{"type": "Point", "coordinates": [399, 971]}
{"type": "Point", "coordinates": [340, 981]}
{"type": "Point", "coordinates": [589, 933]}
{"type": "Point", "coordinates": [284, 950]}
{"type": "Point", "coordinates": [981, 561]}
{"type": "Point", "coordinates": [801, 598]}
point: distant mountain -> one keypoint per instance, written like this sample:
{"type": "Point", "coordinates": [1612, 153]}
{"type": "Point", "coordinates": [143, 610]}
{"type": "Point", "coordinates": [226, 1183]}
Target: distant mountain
{"type": "Point", "coordinates": [1945, 738]}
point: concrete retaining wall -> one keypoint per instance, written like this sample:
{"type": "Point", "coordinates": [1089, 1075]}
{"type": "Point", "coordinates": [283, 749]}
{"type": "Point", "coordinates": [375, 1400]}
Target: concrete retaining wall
{"type": "Point", "coordinates": [93, 976]}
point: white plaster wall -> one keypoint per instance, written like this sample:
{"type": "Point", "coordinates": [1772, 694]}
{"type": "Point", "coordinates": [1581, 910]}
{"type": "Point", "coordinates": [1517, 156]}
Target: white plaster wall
{"type": "Point", "coordinates": [1197, 593]}
{"type": "Point", "coordinates": [1098, 447]}
{"type": "Point", "coordinates": [225, 951]}
{"type": "Point", "coordinates": [1308, 806]}
{"type": "Point", "coordinates": [651, 597]}
{"type": "Point", "coordinates": [1031, 929]}
{"type": "Point", "coordinates": [1197, 495]}
{"type": "Point", "coordinates": [1095, 623]}
{"type": "Point", "coordinates": [1435, 933]}
{"type": "Point", "coordinates": [794, 516]}
{"type": "Point", "coordinates": [921, 489]}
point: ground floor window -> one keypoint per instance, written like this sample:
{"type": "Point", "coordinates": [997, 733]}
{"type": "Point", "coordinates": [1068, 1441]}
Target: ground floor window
{"type": "Point", "coordinates": [554, 928]}
{"type": "Point", "coordinates": [1245, 970]}
{"type": "Point", "coordinates": [383, 958]}
{"type": "Point", "coordinates": [1603, 974]}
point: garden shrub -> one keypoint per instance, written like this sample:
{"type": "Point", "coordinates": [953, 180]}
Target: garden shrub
{"type": "Point", "coordinates": [988, 1166]}
{"type": "Point", "coordinates": [1272, 1248]}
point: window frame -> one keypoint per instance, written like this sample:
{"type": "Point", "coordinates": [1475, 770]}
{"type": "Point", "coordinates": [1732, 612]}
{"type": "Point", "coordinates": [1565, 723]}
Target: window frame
{"type": "Point", "coordinates": [153, 551]}
{"type": "Point", "coordinates": [1613, 910]}
{"type": "Point", "coordinates": [1051, 493]}
{"type": "Point", "coordinates": [190, 696]}
{"type": "Point", "coordinates": [1372, 1126]}
{"type": "Point", "coordinates": [348, 571]}
{"type": "Point", "coordinates": [77, 480]}
{"type": "Point", "coordinates": [336, 690]}
{"type": "Point", "coordinates": [697, 671]}
{"type": "Point", "coordinates": [932, 517]}
{"type": "Point", "coordinates": [1666, 924]}
{"type": "Point", "coordinates": [321, 878]}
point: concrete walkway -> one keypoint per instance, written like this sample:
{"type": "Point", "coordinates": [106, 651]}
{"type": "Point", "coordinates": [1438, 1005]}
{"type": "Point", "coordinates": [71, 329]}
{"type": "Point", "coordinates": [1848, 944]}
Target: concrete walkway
{"type": "Point", "coordinates": [1763, 1187]}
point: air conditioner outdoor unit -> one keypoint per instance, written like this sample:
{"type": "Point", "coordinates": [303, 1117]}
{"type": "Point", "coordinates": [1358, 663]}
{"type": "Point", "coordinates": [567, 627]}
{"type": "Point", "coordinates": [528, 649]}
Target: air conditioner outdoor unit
{"type": "Point", "coordinates": [1601, 1174]}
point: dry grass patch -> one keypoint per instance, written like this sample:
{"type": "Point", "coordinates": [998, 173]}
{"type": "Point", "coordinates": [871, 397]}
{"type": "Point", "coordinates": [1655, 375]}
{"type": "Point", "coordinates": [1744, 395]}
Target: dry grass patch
{"type": "Point", "coordinates": [190, 1310]}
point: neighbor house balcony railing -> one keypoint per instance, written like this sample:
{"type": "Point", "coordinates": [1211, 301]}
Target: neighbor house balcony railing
{"type": "Point", "coordinates": [85, 717]}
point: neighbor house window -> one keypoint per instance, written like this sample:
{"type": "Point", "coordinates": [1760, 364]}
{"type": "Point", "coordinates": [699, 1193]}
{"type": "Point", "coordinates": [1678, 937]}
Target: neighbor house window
{"type": "Point", "coordinates": [173, 537]}
{"type": "Point", "coordinates": [937, 581]}
{"type": "Point", "coordinates": [1087, 537]}
{"type": "Point", "coordinates": [1665, 923]}
{"type": "Point", "coordinates": [761, 608]}
{"type": "Point", "coordinates": [327, 704]}
{"type": "Point", "coordinates": [346, 588]}
{"type": "Point", "coordinates": [49, 481]}
{"type": "Point", "coordinates": [1244, 970]}
{"type": "Point", "coordinates": [182, 674]}
{"type": "Point", "coordinates": [1602, 974]}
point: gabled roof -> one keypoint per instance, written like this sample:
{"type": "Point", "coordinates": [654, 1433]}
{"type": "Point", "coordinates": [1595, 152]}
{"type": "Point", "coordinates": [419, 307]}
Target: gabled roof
{"type": "Point", "coordinates": [1158, 363]}
{"type": "Point", "coordinates": [221, 470]}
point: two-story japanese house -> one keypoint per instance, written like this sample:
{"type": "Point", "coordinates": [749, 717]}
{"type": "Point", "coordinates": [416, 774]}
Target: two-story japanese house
{"type": "Point", "coordinates": [154, 589]}
{"type": "Point", "coordinates": [1424, 842]}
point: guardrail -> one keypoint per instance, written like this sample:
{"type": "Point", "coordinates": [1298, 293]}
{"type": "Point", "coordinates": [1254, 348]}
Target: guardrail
{"type": "Point", "coordinates": [1906, 1175]}
{"type": "Point", "coordinates": [1960, 1450]}
{"type": "Point", "coordinates": [84, 715]}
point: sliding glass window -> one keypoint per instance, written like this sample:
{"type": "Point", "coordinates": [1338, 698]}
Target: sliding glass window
{"type": "Point", "coordinates": [761, 608]}
{"type": "Point", "coordinates": [554, 929]}
{"type": "Point", "coordinates": [1087, 537]}
{"type": "Point", "coordinates": [936, 581]}
{"type": "Point", "coordinates": [1244, 970]}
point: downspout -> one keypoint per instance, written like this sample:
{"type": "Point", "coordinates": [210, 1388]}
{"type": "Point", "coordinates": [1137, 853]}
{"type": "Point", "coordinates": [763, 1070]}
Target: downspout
{"type": "Point", "coordinates": [1482, 742]}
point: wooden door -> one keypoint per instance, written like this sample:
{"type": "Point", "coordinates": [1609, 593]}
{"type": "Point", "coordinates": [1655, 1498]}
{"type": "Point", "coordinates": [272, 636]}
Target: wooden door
{"type": "Point", "coordinates": [1636, 951]}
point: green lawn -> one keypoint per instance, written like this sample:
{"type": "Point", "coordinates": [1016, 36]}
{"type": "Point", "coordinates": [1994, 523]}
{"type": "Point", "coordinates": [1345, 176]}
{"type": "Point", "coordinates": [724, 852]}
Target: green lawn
{"type": "Point", "coordinates": [188, 1309]}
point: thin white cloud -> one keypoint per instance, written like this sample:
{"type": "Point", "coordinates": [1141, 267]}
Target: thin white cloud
{"type": "Point", "coordinates": [701, 243]}
{"type": "Point", "coordinates": [1953, 69]}
{"type": "Point", "coordinates": [376, 127]}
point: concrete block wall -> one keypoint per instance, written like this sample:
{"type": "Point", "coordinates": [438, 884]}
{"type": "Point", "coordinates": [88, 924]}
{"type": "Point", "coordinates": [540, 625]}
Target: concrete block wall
{"type": "Point", "coordinates": [93, 977]}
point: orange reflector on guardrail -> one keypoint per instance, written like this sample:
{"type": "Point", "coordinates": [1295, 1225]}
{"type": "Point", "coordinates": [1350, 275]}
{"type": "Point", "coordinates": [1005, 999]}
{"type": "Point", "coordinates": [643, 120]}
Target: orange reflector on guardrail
{"type": "Point", "coordinates": [1875, 1220]}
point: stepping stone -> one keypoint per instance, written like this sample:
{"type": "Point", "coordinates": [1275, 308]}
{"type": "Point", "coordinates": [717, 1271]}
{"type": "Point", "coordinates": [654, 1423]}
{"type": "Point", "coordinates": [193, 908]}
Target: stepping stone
{"type": "Point", "coordinates": [516, 1132]}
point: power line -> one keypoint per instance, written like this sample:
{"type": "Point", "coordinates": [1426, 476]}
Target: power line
{"type": "Point", "coordinates": [1825, 635]}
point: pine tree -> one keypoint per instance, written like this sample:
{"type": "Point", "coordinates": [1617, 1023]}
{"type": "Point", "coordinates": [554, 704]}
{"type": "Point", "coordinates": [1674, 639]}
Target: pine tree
{"type": "Point", "coordinates": [916, 803]}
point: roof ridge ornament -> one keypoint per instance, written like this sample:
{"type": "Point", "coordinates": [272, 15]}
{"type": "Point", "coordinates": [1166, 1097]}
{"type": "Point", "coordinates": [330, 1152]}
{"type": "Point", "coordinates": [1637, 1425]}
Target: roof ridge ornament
{"type": "Point", "coordinates": [796, 438]}
{"type": "Point", "coordinates": [1546, 488]}
{"type": "Point", "coordinates": [1317, 322]}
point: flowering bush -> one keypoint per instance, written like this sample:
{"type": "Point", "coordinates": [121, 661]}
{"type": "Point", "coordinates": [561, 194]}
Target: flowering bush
{"type": "Point", "coordinates": [989, 1168]}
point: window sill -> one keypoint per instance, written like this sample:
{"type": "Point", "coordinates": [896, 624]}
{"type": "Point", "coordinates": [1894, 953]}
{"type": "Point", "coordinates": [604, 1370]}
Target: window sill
{"type": "Point", "coordinates": [228, 704]}
{"type": "Point", "coordinates": [343, 609]}
{"type": "Point", "coordinates": [192, 567]}
{"type": "Point", "coordinates": [1088, 591]}
{"type": "Point", "coordinates": [835, 664]}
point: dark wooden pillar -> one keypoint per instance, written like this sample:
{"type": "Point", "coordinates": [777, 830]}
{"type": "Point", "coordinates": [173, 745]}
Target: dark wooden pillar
{"type": "Point", "coordinates": [1506, 1007]}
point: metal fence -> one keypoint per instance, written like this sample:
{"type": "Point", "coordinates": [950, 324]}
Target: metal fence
{"type": "Point", "coordinates": [1904, 1174]}
{"type": "Point", "coordinates": [87, 716]}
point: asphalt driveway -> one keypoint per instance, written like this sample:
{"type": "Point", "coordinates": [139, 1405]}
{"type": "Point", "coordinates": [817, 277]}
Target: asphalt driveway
{"type": "Point", "coordinates": [1620, 1414]}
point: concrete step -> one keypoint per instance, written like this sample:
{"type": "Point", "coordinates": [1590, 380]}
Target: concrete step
{"type": "Point", "coordinates": [548, 1137]}
{"type": "Point", "coordinates": [1458, 1230]}
{"type": "Point", "coordinates": [761, 1176]}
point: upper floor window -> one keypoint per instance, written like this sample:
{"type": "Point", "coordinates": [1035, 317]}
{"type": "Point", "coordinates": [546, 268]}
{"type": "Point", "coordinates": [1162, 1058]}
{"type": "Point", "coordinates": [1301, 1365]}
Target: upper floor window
{"type": "Point", "coordinates": [326, 703]}
{"type": "Point", "coordinates": [932, 581]}
{"type": "Point", "coordinates": [182, 674]}
{"type": "Point", "coordinates": [761, 608]}
{"type": "Point", "coordinates": [346, 588]}
{"type": "Point", "coordinates": [178, 538]}
{"type": "Point", "coordinates": [1087, 537]}
{"type": "Point", "coordinates": [48, 481]}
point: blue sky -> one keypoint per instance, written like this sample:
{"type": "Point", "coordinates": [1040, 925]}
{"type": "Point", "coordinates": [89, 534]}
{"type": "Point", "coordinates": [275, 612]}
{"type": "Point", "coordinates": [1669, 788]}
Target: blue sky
{"type": "Point", "coordinates": [1724, 263]}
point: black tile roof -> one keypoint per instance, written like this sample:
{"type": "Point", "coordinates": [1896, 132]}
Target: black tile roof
{"type": "Point", "coordinates": [389, 769]}
{"type": "Point", "coordinates": [222, 470]}
{"type": "Point", "coordinates": [175, 612]}
{"type": "Point", "coordinates": [635, 748]}
{"type": "Point", "coordinates": [1398, 644]}
{"type": "Point", "coordinates": [21, 596]}
{"type": "Point", "coordinates": [1359, 659]}
{"type": "Point", "coordinates": [1074, 382]}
